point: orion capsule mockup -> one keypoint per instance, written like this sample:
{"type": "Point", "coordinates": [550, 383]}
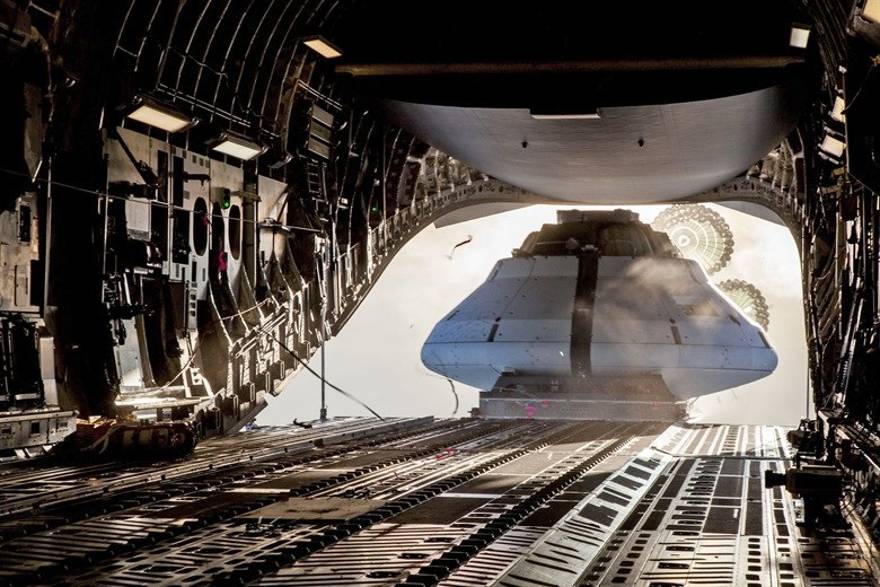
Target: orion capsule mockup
{"type": "Point", "coordinates": [597, 316]}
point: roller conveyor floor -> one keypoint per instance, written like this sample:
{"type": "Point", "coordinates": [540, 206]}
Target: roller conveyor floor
{"type": "Point", "coordinates": [424, 502]}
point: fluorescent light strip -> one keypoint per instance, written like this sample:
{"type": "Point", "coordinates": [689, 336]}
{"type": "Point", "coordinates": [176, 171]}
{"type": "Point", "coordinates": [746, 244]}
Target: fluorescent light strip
{"type": "Point", "coordinates": [833, 146]}
{"type": "Point", "coordinates": [237, 147]}
{"type": "Point", "coordinates": [837, 112]}
{"type": "Point", "coordinates": [322, 47]}
{"type": "Point", "coordinates": [161, 118]}
{"type": "Point", "coordinates": [800, 36]}
{"type": "Point", "coordinates": [871, 11]}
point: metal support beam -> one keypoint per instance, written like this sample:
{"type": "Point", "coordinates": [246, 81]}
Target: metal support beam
{"type": "Point", "coordinates": [571, 66]}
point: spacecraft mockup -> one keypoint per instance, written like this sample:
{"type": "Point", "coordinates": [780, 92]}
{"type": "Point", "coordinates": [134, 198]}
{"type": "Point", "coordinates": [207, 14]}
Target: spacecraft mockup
{"type": "Point", "coordinates": [597, 317]}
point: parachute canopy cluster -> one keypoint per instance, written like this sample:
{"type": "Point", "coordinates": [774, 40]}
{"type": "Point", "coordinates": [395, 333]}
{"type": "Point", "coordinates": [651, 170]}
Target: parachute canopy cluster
{"type": "Point", "coordinates": [699, 233]}
{"type": "Point", "coordinates": [749, 299]}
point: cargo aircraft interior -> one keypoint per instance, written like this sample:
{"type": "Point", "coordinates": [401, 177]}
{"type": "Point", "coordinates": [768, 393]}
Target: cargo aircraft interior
{"type": "Point", "coordinates": [197, 195]}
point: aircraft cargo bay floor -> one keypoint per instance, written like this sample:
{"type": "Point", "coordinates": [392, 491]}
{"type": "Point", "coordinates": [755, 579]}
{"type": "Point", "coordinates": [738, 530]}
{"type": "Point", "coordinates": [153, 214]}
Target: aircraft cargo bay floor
{"type": "Point", "coordinates": [423, 501]}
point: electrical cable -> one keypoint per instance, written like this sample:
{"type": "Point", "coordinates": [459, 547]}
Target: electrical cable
{"type": "Point", "coordinates": [109, 196]}
{"type": "Point", "coordinates": [874, 62]}
{"type": "Point", "coordinates": [454, 394]}
{"type": "Point", "coordinates": [99, 194]}
{"type": "Point", "coordinates": [318, 375]}
{"type": "Point", "coordinates": [451, 386]}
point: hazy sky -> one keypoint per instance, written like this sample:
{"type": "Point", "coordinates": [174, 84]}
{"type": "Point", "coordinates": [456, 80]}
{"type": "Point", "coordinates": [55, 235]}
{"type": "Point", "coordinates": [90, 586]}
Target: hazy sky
{"type": "Point", "coordinates": [376, 356]}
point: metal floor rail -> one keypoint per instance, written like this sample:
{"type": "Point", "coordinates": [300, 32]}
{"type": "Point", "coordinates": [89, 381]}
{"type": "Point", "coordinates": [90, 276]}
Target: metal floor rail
{"type": "Point", "coordinates": [424, 502]}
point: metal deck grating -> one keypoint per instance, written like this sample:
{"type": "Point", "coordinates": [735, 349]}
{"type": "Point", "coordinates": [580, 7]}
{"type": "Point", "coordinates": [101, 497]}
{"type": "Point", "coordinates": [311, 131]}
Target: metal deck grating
{"type": "Point", "coordinates": [459, 503]}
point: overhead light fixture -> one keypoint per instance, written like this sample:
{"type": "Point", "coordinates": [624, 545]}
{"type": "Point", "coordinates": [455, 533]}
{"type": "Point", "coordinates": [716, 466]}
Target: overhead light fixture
{"type": "Point", "coordinates": [538, 114]}
{"type": "Point", "coordinates": [237, 146]}
{"type": "Point", "coordinates": [800, 36]}
{"type": "Point", "coordinates": [866, 20]}
{"type": "Point", "coordinates": [160, 116]}
{"type": "Point", "coordinates": [833, 146]}
{"type": "Point", "coordinates": [322, 47]}
{"type": "Point", "coordinates": [871, 11]}
{"type": "Point", "coordinates": [837, 112]}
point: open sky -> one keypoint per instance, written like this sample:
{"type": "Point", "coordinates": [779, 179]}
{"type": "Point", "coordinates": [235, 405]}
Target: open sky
{"type": "Point", "coordinates": [376, 356]}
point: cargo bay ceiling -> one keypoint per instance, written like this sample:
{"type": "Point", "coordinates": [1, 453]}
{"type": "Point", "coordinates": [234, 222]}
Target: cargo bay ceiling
{"type": "Point", "coordinates": [244, 266]}
{"type": "Point", "coordinates": [685, 99]}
